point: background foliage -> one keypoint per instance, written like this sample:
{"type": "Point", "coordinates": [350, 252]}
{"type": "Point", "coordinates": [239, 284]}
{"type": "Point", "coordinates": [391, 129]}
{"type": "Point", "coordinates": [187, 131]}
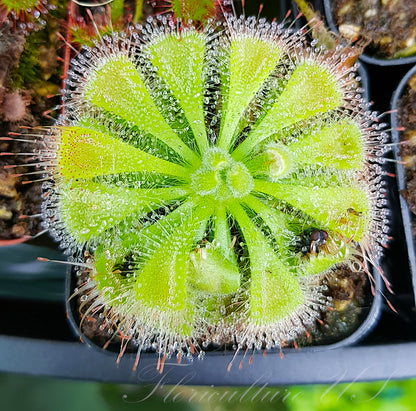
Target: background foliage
{"type": "Point", "coordinates": [21, 392]}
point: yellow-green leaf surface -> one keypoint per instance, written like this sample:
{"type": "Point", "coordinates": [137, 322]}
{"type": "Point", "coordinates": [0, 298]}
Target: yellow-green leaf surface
{"type": "Point", "coordinates": [90, 208]}
{"type": "Point", "coordinates": [86, 153]}
{"type": "Point", "coordinates": [251, 60]}
{"type": "Point", "coordinates": [342, 209]}
{"type": "Point", "coordinates": [311, 89]}
{"type": "Point", "coordinates": [339, 145]}
{"type": "Point", "coordinates": [161, 284]}
{"type": "Point", "coordinates": [118, 88]}
{"type": "Point", "coordinates": [179, 58]}
{"type": "Point", "coordinates": [209, 271]}
{"type": "Point", "coordinates": [274, 291]}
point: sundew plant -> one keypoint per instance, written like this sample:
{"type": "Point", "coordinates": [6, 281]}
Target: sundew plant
{"type": "Point", "coordinates": [209, 178]}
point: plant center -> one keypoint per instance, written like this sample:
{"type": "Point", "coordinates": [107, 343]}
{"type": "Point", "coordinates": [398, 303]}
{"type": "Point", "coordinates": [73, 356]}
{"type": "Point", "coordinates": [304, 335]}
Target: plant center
{"type": "Point", "coordinates": [221, 177]}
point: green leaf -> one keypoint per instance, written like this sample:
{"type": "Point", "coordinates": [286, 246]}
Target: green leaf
{"type": "Point", "coordinates": [222, 233]}
{"type": "Point", "coordinates": [276, 220]}
{"type": "Point", "coordinates": [274, 291]}
{"type": "Point", "coordinates": [342, 209]}
{"type": "Point", "coordinates": [339, 145]}
{"type": "Point", "coordinates": [117, 10]}
{"type": "Point", "coordinates": [210, 272]}
{"type": "Point", "coordinates": [311, 89]}
{"type": "Point", "coordinates": [86, 153]}
{"type": "Point", "coordinates": [179, 58]}
{"type": "Point", "coordinates": [88, 208]}
{"type": "Point", "coordinates": [161, 283]}
{"type": "Point", "coordinates": [117, 87]}
{"type": "Point", "coordinates": [251, 61]}
{"type": "Point", "coordinates": [275, 162]}
{"type": "Point", "coordinates": [319, 263]}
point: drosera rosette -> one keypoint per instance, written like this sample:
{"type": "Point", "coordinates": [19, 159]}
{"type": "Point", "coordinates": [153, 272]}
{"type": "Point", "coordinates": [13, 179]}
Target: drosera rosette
{"type": "Point", "coordinates": [209, 179]}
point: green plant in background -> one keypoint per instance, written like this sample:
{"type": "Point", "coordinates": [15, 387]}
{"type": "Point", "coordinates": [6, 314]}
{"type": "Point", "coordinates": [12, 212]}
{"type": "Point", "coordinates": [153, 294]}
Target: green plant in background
{"type": "Point", "coordinates": [49, 394]}
{"type": "Point", "coordinates": [209, 179]}
{"type": "Point", "coordinates": [197, 11]}
{"type": "Point", "coordinates": [84, 31]}
{"type": "Point", "coordinates": [23, 28]}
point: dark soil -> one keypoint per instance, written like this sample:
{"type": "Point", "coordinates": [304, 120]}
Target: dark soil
{"type": "Point", "coordinates": [28, 74]}
{"type": "Point", "coordinates": [20, 198]}
{"type": "Point", "coordinates": [16, 199]}
{"type": "Point", "coordinates": [351, 302]}
{"type": "Point", "coordinates": [407, 120]}
{"type": "Point", "coordinates": [389, 25]}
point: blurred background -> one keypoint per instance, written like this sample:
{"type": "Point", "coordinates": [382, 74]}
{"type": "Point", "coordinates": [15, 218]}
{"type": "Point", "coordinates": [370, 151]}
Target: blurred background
{"type": "Point", "coordinates": [23, 392]}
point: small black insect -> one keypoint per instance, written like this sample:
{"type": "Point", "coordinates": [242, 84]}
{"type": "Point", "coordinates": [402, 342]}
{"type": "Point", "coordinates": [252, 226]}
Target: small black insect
{"type": "Point", "coordinates": [312, 240]}
{"type": "Point", "coordinates": [355, 212]}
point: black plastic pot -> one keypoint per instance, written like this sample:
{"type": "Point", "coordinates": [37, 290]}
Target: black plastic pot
{"type": "Point", "coordinates": [401, 173]}
{"type": "Point", "coordinates": [57, 353]}
{"type": "Point", "coordinates": [22, 276]}
{"type": "Point", "coordinates": [364, 57]}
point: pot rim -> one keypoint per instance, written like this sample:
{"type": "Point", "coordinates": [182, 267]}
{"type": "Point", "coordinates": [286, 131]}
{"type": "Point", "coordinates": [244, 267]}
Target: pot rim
{"type": "Point", "coordinates": [401, 173]}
